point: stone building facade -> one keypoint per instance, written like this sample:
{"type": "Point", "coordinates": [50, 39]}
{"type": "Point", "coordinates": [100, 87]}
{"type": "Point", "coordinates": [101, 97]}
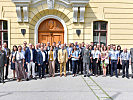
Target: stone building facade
{"type": "Point", "coordinates": [99, 21]}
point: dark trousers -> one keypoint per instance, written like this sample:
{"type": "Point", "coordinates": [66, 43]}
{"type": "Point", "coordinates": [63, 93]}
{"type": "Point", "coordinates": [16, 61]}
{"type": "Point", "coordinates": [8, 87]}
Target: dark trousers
{"type": "Point", "coordinates": [69, 68]}
{"type": "Point", "coordinates": [125, 65]}
{"type": "Point", "coordinates": [86, 68]}
{"type": "Point", "coordinates": [57, 65]}
{"type": "Point", "coordinates": [42, 69]}
{"type": "Point", "coordinates": [47, 69]}
{"type": "Point", "coordinates": [80, 66]}
{"type": "Point", "coordinates": [114, 66]}
{"type": "Point", "coordinates": [108, 69]}
{"type": "Point", "coordinates": [74, 65]}
{"type": "Point", "coordinates": [90, 65]}
{"type": "Point", "coordinates": [95, 67]}
{"type": "Point", "coordinates": [25, 66]}
{"type": "Point", "coordinates": [2, 74]}
{"type": "Point", "coordinates": [99, 66]}
{"type": "Point", "coordinates": [36, 67]}
{"type": "Point", "coordinates": [7, 67]}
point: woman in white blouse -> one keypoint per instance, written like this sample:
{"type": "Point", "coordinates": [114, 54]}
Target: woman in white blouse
{"type": "Point", "coordinates": [18, 59]}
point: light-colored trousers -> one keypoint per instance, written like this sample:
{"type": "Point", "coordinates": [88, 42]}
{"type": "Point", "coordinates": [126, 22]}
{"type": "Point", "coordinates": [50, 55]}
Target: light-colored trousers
{"type": "Point", "coordinates": [51, 67]}
{"type": "Point", "coordinates": [31, 64]}
{"type": "Point", "coordinates": [20, 70]}
{"type": "Point", "coordinates": [64, 65]}
{"type": "Point", "coordinates": [86, 68]}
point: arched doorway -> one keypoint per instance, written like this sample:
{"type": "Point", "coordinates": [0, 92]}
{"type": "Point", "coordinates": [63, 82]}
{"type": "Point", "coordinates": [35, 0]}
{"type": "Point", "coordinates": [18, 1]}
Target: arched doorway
{"type": "Point", "coordinates": [50, 30]}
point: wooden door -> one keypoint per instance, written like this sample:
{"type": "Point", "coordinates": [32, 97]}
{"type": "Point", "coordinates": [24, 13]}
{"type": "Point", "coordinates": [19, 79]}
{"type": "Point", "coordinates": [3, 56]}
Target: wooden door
{"type": "Point", "coordinates": [50, 30]}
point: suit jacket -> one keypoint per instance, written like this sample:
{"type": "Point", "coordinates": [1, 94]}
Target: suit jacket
{"type": "Point", "coordinates": [3, 58]}
{"type": "Point", "coordinates": [81, 53]}
{"type": "Point", "coordinates": [62, 56]}
{"type": "Point", "coordinates": [8, 52]}
{"type": "Point", "coordinates": [28, 55]}
{"type": "Point", "coordinates": [40, 57]}
{"type": "Point", "coordinates": [46, 52]}
{"type": "Point", "coordinates": [86, 55]}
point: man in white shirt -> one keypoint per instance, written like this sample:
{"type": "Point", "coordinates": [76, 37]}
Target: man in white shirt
{"type": "Point", "coordinates": [30, 58]}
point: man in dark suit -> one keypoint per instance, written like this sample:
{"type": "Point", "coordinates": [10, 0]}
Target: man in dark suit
{"type": "Point", "coordinates": [30, 58]}
{"type": "Point", "coordinates": [42, 60]}
{"type": "Point", "coordinates": [3, 62]}
{"type": "Point", "coordinates": [8, 52]}
{"type": "Point", "coordinates": [36, 64]}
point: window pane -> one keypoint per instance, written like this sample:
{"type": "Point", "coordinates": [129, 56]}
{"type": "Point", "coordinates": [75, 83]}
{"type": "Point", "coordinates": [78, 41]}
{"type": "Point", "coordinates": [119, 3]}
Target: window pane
{"type": "Point", "coordinates": [96, 37]}
{"type": "Point", "coordinates": [96, 26]}
{"type": "Point", "coordinates": [5, 25]}
{"type": "Point", "coordinates": [103, 25]}
{"type": "Point", "coordinates": [5, 35]}
{"type": "Point", "coordinates": [103, 38]}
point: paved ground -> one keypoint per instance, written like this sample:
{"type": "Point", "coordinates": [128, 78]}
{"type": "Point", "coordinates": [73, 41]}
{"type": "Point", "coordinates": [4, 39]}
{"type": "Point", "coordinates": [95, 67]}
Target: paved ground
{"type": "Point", "coordinates": [69, 88]}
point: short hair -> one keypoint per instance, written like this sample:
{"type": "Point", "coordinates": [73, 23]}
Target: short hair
{"type": "Point", "coordinates": [118, 46]}
{"type": "Point", "coordinates": [24, 42]}
{"type": "Point", "coordinates": [20, 47]}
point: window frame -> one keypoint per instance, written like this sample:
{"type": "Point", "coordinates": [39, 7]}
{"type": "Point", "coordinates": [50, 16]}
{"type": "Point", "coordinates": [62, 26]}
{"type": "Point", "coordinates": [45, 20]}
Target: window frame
{"type": "Point", "coordinates": [2, 30]}
{"type": "Point", "coordinates": [99, 30]}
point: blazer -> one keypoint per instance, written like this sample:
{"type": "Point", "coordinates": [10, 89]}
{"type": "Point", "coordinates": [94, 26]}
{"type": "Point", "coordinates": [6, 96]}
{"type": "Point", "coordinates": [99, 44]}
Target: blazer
{"type": "Point", "coordinates": [62, 56]}
{"type": "Point", "coordinates": [28, 55]}
{"type": "Point", "coordinates": [8, 52]}
{"type": "Point", "coordinates": [3, 58]}
{"type": "Point", "coordinates": [40, 58]}
{"type": "Point", "coordinates": [46, 52]}
{"type": "Point", "coordinates": [81, 50]}
{"type": "Point", "coordinates": [86, 54]}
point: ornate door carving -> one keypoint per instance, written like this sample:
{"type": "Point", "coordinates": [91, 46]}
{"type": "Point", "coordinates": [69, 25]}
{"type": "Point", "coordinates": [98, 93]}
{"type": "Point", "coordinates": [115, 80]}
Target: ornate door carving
{"type": "Point", "coordinates": [51, 30]}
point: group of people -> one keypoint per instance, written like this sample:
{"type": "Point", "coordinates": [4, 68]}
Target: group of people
{"type": "Point", "coordinates": [29, 62]}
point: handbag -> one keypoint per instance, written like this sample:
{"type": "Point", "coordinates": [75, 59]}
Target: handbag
{"type": "Point", "coordinates": [106, 61]}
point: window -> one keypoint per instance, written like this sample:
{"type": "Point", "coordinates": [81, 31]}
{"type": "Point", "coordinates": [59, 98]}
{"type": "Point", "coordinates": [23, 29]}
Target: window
{"type": "Point", "coordinates": [100, 32]}
{"type": "Point", "coordinates": [3, 32]}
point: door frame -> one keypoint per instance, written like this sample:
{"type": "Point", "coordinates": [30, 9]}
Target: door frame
{"type": "Point", "coordinates": [45, 18]}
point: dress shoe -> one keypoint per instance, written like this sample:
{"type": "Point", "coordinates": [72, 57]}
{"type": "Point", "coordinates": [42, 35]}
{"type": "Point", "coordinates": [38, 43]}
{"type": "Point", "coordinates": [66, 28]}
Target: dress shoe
{"type": "Point", "coordinates": [35, 78]}
{"type": "Point", "coordinates": [40, 77]}
{"type": "Point", "coordinates": [84, 75]}
{"type": "Point", "coordinates": [27, 79]}
{"type": "Point", "coordinates": [88, 75]}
